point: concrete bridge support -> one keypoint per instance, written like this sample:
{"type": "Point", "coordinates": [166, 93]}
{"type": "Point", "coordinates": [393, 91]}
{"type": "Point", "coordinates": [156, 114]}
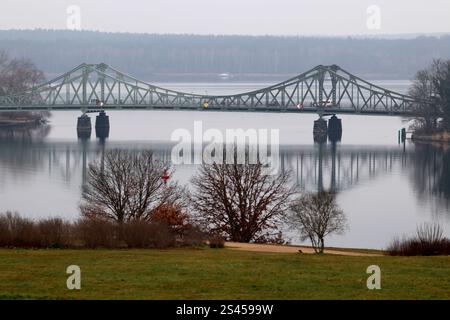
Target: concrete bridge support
{"type": "Point", "coordinates": [84, 128]}
{"type": "Point", "coordinates": [334, 129]}
{"type": "Point", "coordinates": [320, 130]}
{"type": "Point", "coordinates": [331, 130]}
{"type": "Point", "coordinates": [102, 125]}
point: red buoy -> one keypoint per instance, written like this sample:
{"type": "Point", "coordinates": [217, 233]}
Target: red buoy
{"type": "Point", "coordinates": [165, 175]}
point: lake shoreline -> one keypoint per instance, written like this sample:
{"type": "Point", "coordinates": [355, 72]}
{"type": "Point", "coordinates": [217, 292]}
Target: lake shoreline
{"type": "Point", "coordinates": [13, 123]}
{"type": "Point", "coordinates": [434, 137]}
{"type": "Point", "coordinates": [289, 248]}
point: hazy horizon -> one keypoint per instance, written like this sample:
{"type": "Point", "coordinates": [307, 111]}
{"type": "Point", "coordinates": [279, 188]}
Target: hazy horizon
{"type": "Point", "coordinates": [356, 36]}
{"type": "Point", "coordinates": [323, 18]}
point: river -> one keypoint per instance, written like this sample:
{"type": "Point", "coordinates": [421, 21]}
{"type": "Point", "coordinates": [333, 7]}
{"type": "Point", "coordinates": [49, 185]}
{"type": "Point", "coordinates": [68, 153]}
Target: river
{"type": "Point", "coordinates": [385, 188]}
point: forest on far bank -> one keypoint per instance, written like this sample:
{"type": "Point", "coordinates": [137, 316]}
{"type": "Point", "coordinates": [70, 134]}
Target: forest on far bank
{"type": "Point", "coordinates": [153, 56]}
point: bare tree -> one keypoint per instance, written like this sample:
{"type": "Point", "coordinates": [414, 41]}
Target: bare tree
{"type": "Point", "coordinates": [127, 186]}
{"type": "Point", "coordinates": [239, 201]}
{"type": "Point", "coordinates": [17, 76]}
{"type": "Point", "coordinates": [441, 81]}
{"type": "Point", "coordinates": [315, 216]}
{"type": "Point", "coordinates": [433, 84]}
{"type": "Point", "coordinates": [422, 89]}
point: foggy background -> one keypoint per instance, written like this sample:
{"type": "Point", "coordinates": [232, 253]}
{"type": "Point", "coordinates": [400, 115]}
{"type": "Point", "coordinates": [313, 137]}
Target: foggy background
{"type": "Point", "coordinates": [248, 17]}
{"type": "Point", "coordinates": [251, 40]}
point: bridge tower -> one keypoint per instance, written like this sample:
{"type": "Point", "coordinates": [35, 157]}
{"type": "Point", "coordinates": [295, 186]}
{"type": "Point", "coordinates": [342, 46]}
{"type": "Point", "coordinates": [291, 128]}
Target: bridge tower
{"type": "Point", "coordinates": [84, 127]}
{"type": "Point", "coordinates": [334, 123]}
{"type": "Point", "coordinates": [320, 125]}
{"type": "Point", "coordinates": [102, 67]}
{"type": "Point", "coordinates": [333, 84]}
{"type": "Point", "coordinates": [320, 102]}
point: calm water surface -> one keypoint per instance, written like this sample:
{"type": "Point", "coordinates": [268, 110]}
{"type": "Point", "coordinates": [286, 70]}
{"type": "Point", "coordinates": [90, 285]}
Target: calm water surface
{"type": "Point", "coordinates": [384, 188]}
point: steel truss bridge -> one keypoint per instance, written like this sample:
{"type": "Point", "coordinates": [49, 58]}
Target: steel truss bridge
{"type": "Point", "coordinates": [322, 89]}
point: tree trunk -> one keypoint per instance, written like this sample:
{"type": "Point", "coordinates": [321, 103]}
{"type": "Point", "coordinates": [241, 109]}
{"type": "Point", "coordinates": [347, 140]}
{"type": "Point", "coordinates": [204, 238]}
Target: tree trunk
{"type": "Point", "coordinates": [322, 245]}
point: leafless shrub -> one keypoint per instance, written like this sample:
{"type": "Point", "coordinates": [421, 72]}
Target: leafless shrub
{"type": "Point", "coordinates": [216, 241]}
{"type": "Point", "coordinates": [18, 231]}
{"type": "Point", "coordinates": [428, 241]}
{"type": "Point", "coordinates": [144, 234]}
{"type": "Point", "coordinates": [429, 233]}
{"type": "Point", "coordinates": [96, 233]}
{"type": "Point", "coordinates": [54, 232]}
{"type": "Point", "coordinates": [193, 236]}
{"type": "Point", "coordinates": [5, 234]}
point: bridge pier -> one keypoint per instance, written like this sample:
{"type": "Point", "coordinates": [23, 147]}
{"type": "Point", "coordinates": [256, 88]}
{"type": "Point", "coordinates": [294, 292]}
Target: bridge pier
{"type": "Point", "coordinates": [331, 130]}
{"type": "Point", "coordinates": [102, 125]}
{"type": "Point", "coordinates": [320, 130]}
{"type": "Point", "coordinates": [334, 129]}
{"type": "Point", "coordinates": [84, 127]}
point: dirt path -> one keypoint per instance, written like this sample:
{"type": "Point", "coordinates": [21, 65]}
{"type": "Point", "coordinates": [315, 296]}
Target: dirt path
{"type": "Point", "coordinates": [292, 249]}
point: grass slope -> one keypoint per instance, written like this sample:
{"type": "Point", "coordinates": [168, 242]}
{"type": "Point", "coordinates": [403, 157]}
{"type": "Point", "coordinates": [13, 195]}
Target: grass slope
{"type": "Point", "coordinates": [217, 274]}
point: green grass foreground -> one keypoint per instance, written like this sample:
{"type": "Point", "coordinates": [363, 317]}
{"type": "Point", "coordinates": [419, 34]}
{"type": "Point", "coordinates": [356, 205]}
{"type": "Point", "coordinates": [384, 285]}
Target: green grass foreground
{"type": "Point", "coordinates": [217, 274]}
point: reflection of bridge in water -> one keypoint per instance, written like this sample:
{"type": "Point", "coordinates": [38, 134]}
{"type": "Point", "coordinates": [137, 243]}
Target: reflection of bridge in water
{"type": "Point", "coordinates": [335, 168]}
{"type": "Point", "coordinates": [314, 167]}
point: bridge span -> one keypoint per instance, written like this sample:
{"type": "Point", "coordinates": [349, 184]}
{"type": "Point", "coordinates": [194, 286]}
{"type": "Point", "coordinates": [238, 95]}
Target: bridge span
{"type": "Point", "coordinates": [325, 90]}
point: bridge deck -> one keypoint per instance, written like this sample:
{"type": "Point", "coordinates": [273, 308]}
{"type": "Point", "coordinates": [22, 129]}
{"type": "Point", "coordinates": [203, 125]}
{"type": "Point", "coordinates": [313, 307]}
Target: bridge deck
{"type": "Point", "coordinates": [90, 109]}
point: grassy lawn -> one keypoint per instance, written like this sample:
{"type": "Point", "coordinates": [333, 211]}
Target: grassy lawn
{"type": "Point", "coordinates": [217, 274]}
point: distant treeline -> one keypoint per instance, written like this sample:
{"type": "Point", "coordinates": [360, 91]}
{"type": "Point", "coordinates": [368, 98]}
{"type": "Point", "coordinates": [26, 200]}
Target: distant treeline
{"type": "Point", "coordinates": [150, 56]}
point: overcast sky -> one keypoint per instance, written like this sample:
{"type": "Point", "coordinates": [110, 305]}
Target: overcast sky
{"type": "Point", "coordinates": [254, 17]}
